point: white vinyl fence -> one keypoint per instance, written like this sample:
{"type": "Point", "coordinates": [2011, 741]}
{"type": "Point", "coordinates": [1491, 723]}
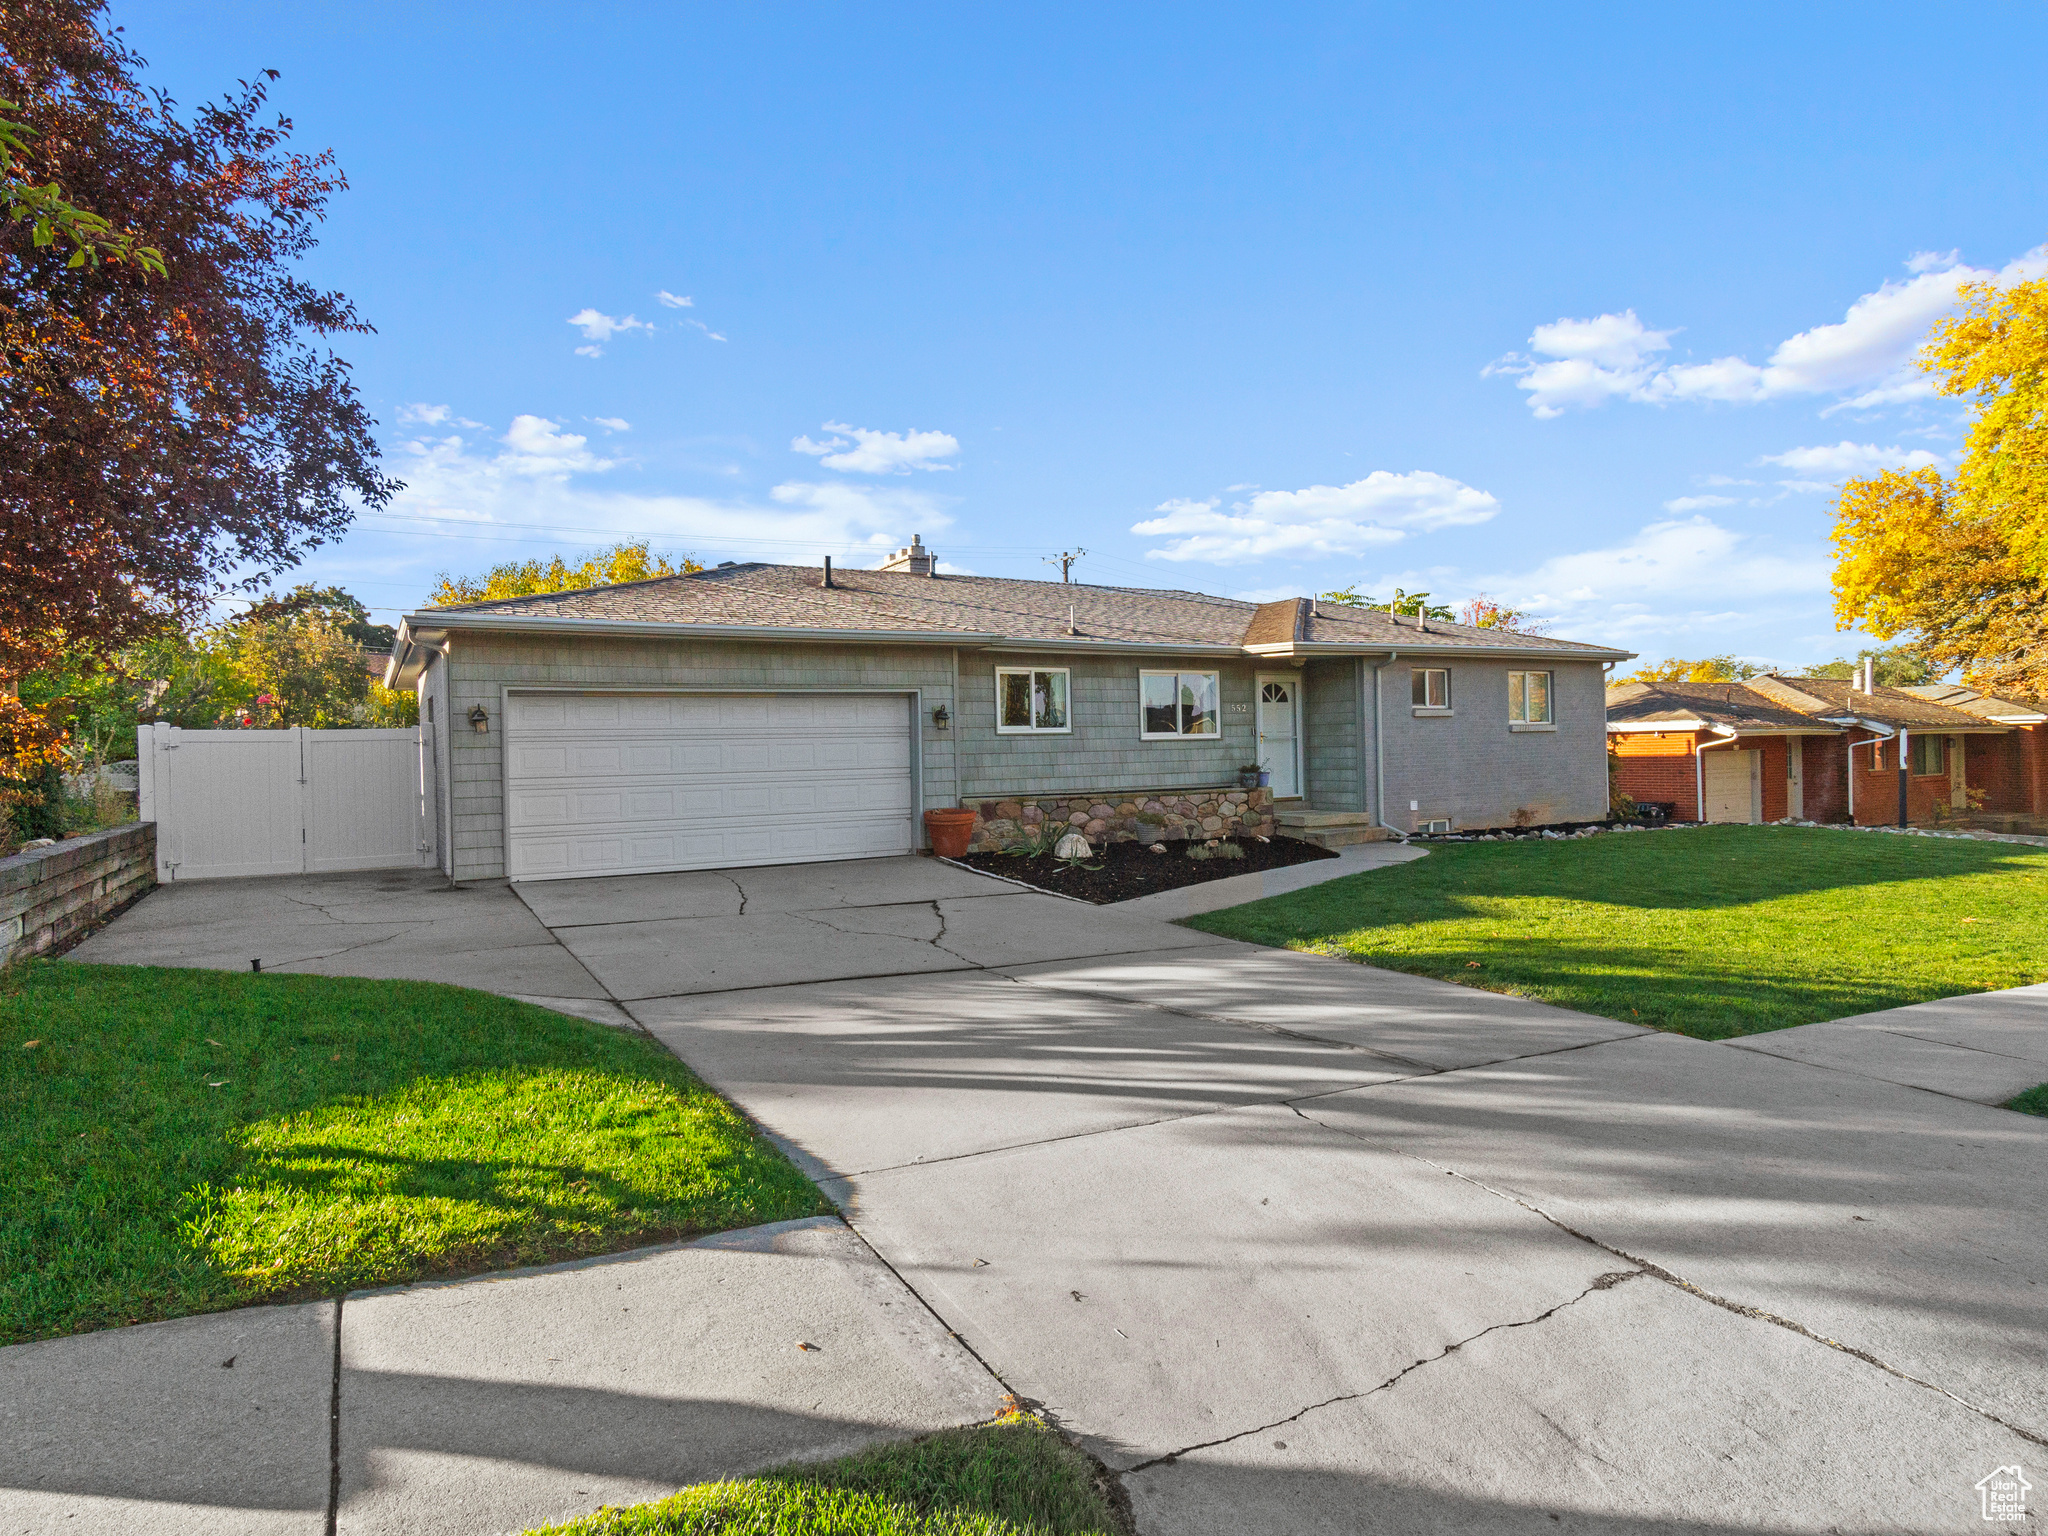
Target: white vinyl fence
{"type": "Point", "coordinates": [289, 802]}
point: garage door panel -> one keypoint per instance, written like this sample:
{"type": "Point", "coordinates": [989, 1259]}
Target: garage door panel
{"type": "Point", "coordinates": [621, 783]}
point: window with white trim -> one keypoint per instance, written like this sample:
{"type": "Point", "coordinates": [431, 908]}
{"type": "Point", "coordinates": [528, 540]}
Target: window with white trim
{"type": "Point", "coordinates": [1030, 700]}
{"type": "Point", "coordinates": [1432, 687]}
{"type": "Point", "coordinates": [1529, 698]}
{"type": "Point", "coordinates": [1176, 705]}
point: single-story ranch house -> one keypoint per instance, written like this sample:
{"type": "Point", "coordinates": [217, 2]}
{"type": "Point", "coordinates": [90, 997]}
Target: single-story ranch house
{"type": "Point", "coordinates": [1827, 749]}
{"type": "Point", "coordinates": [761, 714]}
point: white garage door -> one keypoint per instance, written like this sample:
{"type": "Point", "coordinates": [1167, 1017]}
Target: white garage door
{"type": "Point", "coordinates": [614, 784]}
{"type": "Point", "coordinates": [1731, 785]}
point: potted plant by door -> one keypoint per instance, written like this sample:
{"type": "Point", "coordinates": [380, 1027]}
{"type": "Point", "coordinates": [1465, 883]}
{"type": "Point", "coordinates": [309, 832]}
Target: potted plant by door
{"type": "Point", "coordinates": [1248, 776]}
{"type": "Point", "coordinates": [949, 831]}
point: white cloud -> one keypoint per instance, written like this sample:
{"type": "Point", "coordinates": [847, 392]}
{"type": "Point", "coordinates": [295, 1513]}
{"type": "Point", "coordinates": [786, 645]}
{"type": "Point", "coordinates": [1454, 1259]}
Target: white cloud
{"type": "Point", "coordinates": [1683, 504]}
{"type": "Point", "coordinates": [1381, 509]}
{"type": "Point", "coordinates": [612, 423]}
{"type": "Point", "coordinates": [534, 446]}
{"type": "Point", "coordinates": [674, 300]}
{"type": "Point", "coordinates": [863, 452]}
{"type": "Point", "coordinates": [703, 327]}
{"type": "Point", "coordinates": [1867, 357]}
{"type": "Point", "coordinates": [538, 477]}
{"type": "Point", "coordinates": [1678, 566]}
{"type": "Point", "coordinates": [1829, 465]}
{"type": "Point", "coordinates": [426, 415]}
{"type": "Point", "coordinates": [597, 326]}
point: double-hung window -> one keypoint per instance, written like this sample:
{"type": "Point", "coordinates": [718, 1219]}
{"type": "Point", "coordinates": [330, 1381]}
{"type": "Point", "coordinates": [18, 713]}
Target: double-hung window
{"type": "Point", "coordinates": [1172, 705]}
{"type": "Point", "coordinates": [1529, 698]}
{"type": "Point", "coordinates": [1432, 687]}
{"type": "Point", "coordinates": [1031, 699]}
{"type": "Point", "coordinates": [1930, 754]}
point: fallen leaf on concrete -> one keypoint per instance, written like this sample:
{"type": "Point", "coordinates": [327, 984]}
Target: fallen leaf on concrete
{"type": "Point", "coordinates": [802, 1345]}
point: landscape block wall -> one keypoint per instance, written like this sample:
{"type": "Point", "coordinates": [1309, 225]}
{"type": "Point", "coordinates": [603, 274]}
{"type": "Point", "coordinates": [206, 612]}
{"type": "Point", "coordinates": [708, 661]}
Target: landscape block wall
{"type": "Point", "coordinates": [48, 894]}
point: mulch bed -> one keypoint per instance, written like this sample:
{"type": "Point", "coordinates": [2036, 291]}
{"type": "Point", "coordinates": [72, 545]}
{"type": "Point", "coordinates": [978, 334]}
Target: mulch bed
{"type": "Point", "coordinates": [1124, 870]}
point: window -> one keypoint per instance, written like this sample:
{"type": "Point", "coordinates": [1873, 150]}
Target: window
{"type": "Point", "coordinates": [1432, 687]}
{"type": "Point", "coordinates": [1529, 698]}
{"type": "Point", "coordinates": [1176, 704]}
{"type": "Point", "coordinates": [1031, 699]}
{"type": "Point", "coordinates": [1930, 754]}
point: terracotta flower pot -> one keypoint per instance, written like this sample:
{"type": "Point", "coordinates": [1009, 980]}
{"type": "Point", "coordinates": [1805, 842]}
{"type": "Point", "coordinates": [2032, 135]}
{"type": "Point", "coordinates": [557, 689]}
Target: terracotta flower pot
{"type": "Point", "coordinates": [949, 831]}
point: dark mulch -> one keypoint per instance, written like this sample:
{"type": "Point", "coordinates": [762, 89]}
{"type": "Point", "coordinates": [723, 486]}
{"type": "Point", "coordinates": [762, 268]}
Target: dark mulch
{"type": "Point", "coordinates": [1124, 870]}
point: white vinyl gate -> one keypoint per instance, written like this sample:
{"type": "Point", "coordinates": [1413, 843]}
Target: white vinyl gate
{"type": "Point", "coordinates": [288, 802]}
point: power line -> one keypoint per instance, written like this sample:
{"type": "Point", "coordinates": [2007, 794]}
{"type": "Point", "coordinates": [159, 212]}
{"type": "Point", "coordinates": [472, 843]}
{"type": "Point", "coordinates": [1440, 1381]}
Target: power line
{"type": "Point", "coordinates": [1065, 561]}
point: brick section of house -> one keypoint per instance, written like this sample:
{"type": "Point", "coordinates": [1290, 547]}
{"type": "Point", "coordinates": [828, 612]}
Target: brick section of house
{"type": "Point", "coordinates": [2031, 744]}
{"type": "Point", "coordinates": [1928, 795]}
{"type": "Point", "coordinates": [1826, 779]}
{"type": "Point", "coordinates": [1994, 765]}
{"type": "Point", "coordinates": [1657, 767]}
{"type": "Point", "coordinates": [1775, 791]}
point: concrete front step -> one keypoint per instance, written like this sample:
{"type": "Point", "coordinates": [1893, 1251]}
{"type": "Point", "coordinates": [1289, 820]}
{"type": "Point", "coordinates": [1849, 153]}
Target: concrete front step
{"type": "Point", "coordinates": [1330, 829]}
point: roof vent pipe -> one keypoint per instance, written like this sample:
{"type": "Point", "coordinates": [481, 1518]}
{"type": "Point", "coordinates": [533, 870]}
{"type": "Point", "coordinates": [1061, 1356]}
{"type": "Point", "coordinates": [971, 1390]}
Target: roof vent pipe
{"type": "Point", "coordinates": [828, 572]}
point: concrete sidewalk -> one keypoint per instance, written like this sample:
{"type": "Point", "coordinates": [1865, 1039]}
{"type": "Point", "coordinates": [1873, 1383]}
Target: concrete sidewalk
{"type": "Point", "coordinates": [482, 1405]}
{"type": "Point", "coordinates": [1986, 1047]}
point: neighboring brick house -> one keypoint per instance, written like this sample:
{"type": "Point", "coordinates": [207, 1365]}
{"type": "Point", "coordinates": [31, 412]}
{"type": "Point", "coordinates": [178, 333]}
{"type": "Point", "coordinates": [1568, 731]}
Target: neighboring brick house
{"type": "Point", "coordinates": [1743, 756]}
{"type": "Point", "coordinates": [1826, 749]}
{"type": "Point", "coordinates": [757, 714]}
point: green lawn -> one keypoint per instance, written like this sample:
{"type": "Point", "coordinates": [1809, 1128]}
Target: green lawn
{"type": "Point", "coordinates": [1014, 1477]}
{"type": "Point", "coordinates": [2033, 1102]}
{"type": "Point", "coordinates": [1718, 932]}
{"type": "Point", "coordinates": [178, 1141]}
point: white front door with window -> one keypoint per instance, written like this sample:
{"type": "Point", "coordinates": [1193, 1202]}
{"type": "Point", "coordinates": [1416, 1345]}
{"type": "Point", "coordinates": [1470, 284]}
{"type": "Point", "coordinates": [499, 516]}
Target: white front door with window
{"type": "Point", "coordinates": [1280, 733]}
{"type": "Point", "coordinates": [1732, 784]}
{"type": "Point", "coordinates": [621, 783]}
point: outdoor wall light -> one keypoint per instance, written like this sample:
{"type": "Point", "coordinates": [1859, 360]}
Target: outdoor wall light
{"type": "Point", "coordinates": [480, 720]}
{"type": "Point", "coordinates": [941, 721]}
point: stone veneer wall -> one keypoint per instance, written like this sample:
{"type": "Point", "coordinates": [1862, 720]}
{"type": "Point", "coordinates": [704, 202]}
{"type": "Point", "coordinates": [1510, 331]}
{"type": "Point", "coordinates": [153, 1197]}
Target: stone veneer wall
{"type": "Point", "coordinates": [1124, 816]}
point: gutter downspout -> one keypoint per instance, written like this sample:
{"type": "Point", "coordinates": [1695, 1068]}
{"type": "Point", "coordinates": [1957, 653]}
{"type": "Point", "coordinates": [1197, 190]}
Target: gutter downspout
{"type": "Point", "coordinates": [1699, 769]}
{"type": "Point", "coordinates": [1878, 734]}
{"type": "Point", "coordinates": [1379, 746]}
{"type": "Point", "coordinates": [1904, 737]}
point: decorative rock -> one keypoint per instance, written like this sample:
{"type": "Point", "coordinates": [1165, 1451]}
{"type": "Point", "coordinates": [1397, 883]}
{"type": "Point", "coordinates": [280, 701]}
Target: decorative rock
{"type": "Point", "coordinates": [1072, 846]}
{"type": "Point", "coordinates": [1159, 847]}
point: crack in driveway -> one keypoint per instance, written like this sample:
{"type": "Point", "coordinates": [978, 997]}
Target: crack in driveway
{"type": "Point", "coordinates": [1678, 1282]}
{"type": "Point", "coordinates": [1603, 1283]}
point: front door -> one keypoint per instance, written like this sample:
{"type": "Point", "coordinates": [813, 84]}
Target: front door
{"type": "Point", "coordinates": [1280, 734]}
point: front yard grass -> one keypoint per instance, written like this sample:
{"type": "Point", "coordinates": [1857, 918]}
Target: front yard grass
{"type": "Point", "coordinates": [1714, 932]}
{"type": "Point", "coordinates": [2033, 1102]}
{"type": "Point", "coordinates": [1014, 1477]}
{"type": "Point", "coordinates": [180, 1141]}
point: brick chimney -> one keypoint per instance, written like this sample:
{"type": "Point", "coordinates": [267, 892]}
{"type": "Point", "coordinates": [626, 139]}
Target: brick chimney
{"type": "Point", "coordinates": [915, 558]}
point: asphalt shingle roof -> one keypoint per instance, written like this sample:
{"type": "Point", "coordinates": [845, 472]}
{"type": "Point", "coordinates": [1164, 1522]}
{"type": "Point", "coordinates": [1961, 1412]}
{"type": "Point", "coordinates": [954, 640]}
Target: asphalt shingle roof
{"type": "Point", "coordinates": [1890, 706]}
{"type": "Point", "coordinates": [1730, 704]}
{"type": "Point", "coordinates": [791, 597]}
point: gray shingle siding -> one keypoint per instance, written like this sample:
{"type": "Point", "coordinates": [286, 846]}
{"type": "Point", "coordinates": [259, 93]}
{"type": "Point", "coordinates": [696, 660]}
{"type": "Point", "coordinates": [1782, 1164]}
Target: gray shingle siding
{"type": "Point", "coordinates": [1332, 748]}
{"type": "Point", "coordinates": [1105, 749]}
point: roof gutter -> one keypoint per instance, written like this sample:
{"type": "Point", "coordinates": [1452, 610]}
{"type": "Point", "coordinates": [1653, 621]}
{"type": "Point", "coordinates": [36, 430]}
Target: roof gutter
{"type": "Point", "coordinates": [1308, 648]}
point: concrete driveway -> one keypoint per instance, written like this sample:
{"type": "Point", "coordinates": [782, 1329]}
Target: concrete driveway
{"type": "Point", "coordinates": [1293, 1244]}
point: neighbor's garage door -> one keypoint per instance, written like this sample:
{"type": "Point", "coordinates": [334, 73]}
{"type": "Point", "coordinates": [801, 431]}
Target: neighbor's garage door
{"type": "Point", "coordinates": [612, 784]}
{"type": "Point", "coordinates": [1732, 785]}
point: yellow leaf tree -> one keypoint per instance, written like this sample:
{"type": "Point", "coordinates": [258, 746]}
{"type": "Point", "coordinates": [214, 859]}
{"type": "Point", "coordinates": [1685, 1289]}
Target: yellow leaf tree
{"type": "Point", "coordinates": [1960, 562]}
{"type": "Point", "coordinates": [525, 578]}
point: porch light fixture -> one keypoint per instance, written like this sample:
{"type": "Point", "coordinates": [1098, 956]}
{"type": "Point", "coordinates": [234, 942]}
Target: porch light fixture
{"type": "Point", "coordinates": [480, 720]}
{"type": "Point", "coordinates": [941, 721]}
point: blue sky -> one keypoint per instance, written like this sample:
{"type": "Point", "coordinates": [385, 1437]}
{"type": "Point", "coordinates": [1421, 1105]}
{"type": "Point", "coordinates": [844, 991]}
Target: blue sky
{"type": "Point", "coordinates": [1583, 311]}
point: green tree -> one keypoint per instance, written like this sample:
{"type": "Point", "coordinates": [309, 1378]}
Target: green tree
{"type": "Point", "coordinates": [526, 578]}
{"type": "Point", "coordinates": [1400, 602]}
{"type": "Point", "coordinates": [1898, 666]}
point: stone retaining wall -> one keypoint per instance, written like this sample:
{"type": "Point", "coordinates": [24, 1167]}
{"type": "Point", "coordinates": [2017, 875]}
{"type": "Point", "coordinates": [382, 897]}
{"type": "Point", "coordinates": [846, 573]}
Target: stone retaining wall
{"type": "Point", "coordinates": [47, 894]}
{"type": "Point", "coordinates": [1124, 816]}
